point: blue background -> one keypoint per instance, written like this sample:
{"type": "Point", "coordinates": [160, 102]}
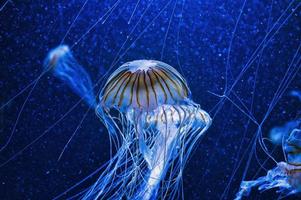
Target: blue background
{"type": "Point", "coordinates": [201, 40]}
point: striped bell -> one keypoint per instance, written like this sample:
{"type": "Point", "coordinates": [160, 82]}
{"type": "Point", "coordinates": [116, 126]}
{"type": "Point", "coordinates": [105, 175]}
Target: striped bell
{"type": "Point", "coordinates": [144, 85]}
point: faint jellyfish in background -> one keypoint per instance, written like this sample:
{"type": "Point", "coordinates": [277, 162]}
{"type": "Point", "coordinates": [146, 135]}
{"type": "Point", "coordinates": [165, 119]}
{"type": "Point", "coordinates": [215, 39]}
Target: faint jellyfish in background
{"type": "Point", "coordinates": [154, 125]}
{"type": "Point", "coordinates": [62, 63]}
{"type": "Point", "coordinates": [286, 176]}
{"type": "Point", "coordinates": [279, 133]}
{"type": "Point", "coordinates": [296, 93]}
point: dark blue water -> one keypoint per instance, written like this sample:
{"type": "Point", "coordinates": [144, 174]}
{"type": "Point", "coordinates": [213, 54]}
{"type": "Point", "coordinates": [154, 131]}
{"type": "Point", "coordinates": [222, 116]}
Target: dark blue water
{"type": "Point", "coordinates": [239, 48]}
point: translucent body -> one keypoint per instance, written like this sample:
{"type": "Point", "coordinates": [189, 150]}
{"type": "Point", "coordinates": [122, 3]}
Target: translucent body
{"type": "Point", "coordinates": [64, 66]}
{"type": "Point", "coordinates": [286, 176]}
{"type": "Point", "coordinates": [154, 147]}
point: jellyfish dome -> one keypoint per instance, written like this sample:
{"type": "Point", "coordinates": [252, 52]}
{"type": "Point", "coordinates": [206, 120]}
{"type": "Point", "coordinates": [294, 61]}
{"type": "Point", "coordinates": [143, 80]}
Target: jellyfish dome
{"type": "Point", "coordinates": [55, 55]}
{"type": "Point", "coordinates": [144, 85]}
{"type": "Point", "coordinates": [153, 125]}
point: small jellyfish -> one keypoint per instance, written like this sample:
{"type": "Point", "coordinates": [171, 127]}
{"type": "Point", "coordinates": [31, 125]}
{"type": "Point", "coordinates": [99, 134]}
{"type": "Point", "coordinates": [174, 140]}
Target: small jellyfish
{"type": "Point", "coordinates": [62, 63]}
{"type": "Point", "coordinates": [286, 176]}
{"type": "Point", "coordinates": [154, 125]}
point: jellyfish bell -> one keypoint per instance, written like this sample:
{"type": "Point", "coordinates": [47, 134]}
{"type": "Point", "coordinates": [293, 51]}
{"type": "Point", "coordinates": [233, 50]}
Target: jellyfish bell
{"type": "Point", "coordinates": [144, 85]}
{"type": "Point", "coordinates": [146, 108]}
{"type": "Point", "coordinates": [55, 55]}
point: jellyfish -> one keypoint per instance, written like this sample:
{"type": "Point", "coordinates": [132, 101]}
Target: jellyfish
{"type": "Point", "coordinates": [153, 125]}
{"type": "Point", "coordinates": [286, 176]}
{"type": "Point", "coordinates": [64, 66]}
{"type": "Point", "coordinates": [278, 133]}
